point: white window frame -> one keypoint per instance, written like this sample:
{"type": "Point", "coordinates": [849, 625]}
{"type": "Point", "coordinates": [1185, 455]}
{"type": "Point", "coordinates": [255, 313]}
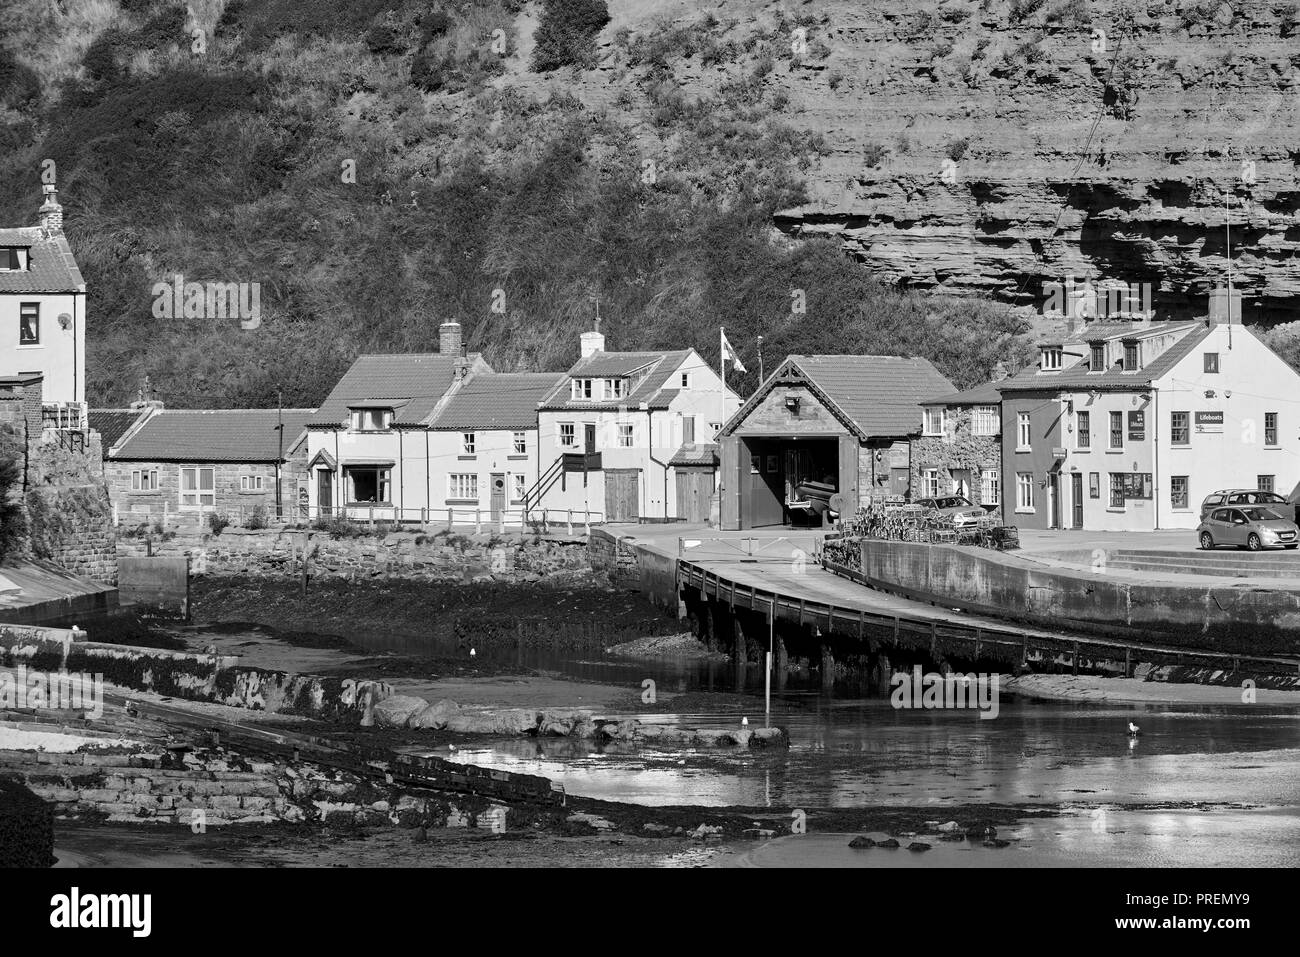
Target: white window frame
{"type": "Point", "coordinates": [685, 380]}
{"type": "Point", "coordinates": [567, 440]}
{"type": "Point", "coordinates": [1025, 492]}
{"type": "Point", "coordinates": [198, 493]}
{"type": "Point", "coordinates": [990, 486]}
{"type": "Point", "coordinates": [626, 435]}
{"type": "Point", "coordinates": [362, 420]}
{"type": "Point", "coordinates": [518, 486]}
{"type": "Point", "coordinates": [462, 486]}
{"type": "Point", "coordinates": [934, 414]}
{"type": "Point", "coordinates": [1187, 493]}
{"type": "Point", "coordinates": [383, 482]}
{"type": "Point", "coordinates": [520, 440]}
{"type": "Point", "coordinates": [1052, 359]}
{"type": "Point", "coordinates": [1115, 483]}
{"type": "Point", "coordinates": [614, 388]}
{"type": "Point", "coordinates": [251, 483]}
{"type": "Point", "coordinates": [929, 483]}
{"type": "Point", "coordinates": [1081, 416]}
{"type": "Point", "coordinates": [985, 420]}
{"type": "Point", "coordinates": [144, 480]}
{"type": "Point", "coordinates": [468, 443]}
{"type": "Point", "coordinates": [1024, 432]}
{"type": "Point", "coordinates": [582, 390]}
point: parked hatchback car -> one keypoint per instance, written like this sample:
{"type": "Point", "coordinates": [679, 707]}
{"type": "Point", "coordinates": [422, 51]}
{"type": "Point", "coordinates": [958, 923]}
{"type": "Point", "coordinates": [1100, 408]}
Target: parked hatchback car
{"type": "Point", "coordinates": [957, 507]}
{"type": "Point", "coordinates": [1249, 496]}
{"type": "Point", "coordinates": [1248, 526]}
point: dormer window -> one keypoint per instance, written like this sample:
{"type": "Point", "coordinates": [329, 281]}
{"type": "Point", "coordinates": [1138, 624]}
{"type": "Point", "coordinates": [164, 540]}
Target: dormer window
{"type": "Point", "coordinates": [1130, 357]}
{"type": "Point", "coordinates": [1098, 361]}
{"type": "Point", "coordinates": [615, 388]}
{"type": "Point", "coordinates": [371, 420]}
{"type": "Point", "coordinates": [1051, 356]}
{"type": "Point", "coordinates": [13, 258]}
{"type": "Point", "coordinates": [582, 389]}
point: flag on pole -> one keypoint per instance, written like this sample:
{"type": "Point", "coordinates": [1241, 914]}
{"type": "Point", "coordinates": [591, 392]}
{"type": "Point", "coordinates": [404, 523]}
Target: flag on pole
{"type": "Point", "coordinates": [729, 353]}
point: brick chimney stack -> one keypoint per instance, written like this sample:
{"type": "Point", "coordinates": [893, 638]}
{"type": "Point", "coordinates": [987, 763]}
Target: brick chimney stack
{"type": "Point", "coordinates": [51, 212]}
{"type": "Point", "coordinates": [449, 339]}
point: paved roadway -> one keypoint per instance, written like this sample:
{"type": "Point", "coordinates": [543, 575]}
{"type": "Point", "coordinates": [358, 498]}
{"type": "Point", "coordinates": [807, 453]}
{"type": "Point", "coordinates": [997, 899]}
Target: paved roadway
{"type": "Point", "coordinates": [780, 561]}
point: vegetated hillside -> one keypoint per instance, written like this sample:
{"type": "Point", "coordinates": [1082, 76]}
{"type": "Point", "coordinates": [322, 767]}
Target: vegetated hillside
{"type": "Point", "coordinates": [379, 166]}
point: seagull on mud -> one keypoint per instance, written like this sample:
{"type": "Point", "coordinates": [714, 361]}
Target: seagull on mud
{"type": "Point", "coordinates": [1133, 730]}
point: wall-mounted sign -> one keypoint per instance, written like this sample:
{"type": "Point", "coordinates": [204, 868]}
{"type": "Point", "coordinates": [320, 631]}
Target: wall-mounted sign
{"type": "Point", "coordinates": [1209, 421]}
{"type": "Point", "coordinates": [1137, 425]}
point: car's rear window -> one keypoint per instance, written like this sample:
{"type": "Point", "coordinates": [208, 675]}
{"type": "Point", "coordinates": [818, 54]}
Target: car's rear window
{"type": "Point", "coordinates": [1260, 514]}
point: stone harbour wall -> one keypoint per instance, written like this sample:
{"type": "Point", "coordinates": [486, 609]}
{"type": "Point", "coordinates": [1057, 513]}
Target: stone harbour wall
{"type": "Point", "coordinates": [439, 557]}
{"type": "Point", "coordinates": [218, 787]}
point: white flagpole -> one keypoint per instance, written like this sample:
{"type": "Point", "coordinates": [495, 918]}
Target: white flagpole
{"type": "Point", "coordinates": [722, 358]}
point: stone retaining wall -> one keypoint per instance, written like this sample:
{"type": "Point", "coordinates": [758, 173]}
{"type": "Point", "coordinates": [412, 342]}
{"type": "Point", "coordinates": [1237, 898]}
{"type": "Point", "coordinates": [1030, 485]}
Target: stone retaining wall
{"type": "Point", "coordinates": [439, 556]}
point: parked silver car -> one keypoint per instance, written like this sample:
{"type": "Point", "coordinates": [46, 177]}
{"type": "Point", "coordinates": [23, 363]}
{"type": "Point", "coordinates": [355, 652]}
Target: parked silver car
{"type": "Point", "coordinates": [1248, 526]}
{"type": "Point", "coordinates": [1250, 496]}
{"type": "Point", "coordinates": [958, 507]}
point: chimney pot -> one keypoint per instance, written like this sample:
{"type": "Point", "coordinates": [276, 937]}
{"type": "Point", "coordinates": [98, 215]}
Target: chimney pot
{"type": "Point", "coordinates": [449, 339]}
{"type": "Point", "coordinates": [51, 212]}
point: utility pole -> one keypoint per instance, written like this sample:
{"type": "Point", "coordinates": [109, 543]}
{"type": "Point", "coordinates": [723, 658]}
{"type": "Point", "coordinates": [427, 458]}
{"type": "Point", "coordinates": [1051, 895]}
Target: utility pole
{"type": "Point", "coordinates": [279, 428]}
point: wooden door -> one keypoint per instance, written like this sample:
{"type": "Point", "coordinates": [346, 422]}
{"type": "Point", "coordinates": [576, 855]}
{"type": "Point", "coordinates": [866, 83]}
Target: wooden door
{"type": "Point", "coordinates": [622, 495]}
{"type": "Point", "coordinates": [324, 491]}
{"type": "Point", "coordinates": [497, 499]}
{"type": "Point", "coordinates": [694, 494]}
{"type": "Point", "coordinates": [589, 437]}
{"type": "Point", "coordinates": [1076, 498]}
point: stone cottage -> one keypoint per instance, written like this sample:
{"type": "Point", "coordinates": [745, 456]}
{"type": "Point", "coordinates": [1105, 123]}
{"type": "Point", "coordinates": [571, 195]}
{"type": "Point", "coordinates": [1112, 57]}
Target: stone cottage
{"type": "Point", "coordinates": [175, 466]}
{"type": "Point", "coordinates": [959, 450]}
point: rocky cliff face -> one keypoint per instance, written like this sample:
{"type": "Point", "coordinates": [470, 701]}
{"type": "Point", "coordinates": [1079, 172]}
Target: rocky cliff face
{"type": "Point", "coordinates": [992, 146]}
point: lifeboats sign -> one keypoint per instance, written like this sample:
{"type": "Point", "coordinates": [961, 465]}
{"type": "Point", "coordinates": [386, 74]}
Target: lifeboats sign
{"type": "Point", "coordinates": [1209, 421]}
{"type": "Point", "coordinates": [1137, 426]}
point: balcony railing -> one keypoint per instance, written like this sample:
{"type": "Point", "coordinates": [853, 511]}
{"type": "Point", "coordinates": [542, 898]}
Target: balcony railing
{"type": "Point", "coordinates": [581, 461]}
{"type": "Point", "coordinates": [64, 416]}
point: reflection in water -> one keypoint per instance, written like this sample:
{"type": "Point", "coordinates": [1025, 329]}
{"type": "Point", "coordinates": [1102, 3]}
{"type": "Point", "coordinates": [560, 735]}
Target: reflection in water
{"type": "Point", "coordinates": [1259, 838]}
{"type": "Point", "coordinates": [854, 753]}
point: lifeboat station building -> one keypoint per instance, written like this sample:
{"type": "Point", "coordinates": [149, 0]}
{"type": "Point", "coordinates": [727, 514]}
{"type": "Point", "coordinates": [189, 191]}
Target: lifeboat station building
{"type": "Point", "coordinates": [843, 422]}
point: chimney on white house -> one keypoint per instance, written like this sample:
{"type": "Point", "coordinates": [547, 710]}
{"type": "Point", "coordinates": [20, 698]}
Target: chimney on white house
{"type": "Point", "coordinates": [449, 341]}
{"type": "Point", "coordinates": [592, 342]}
{"type": "Point", "coordinates": [51, 212]}
{"type": "Point", "coordinates": [1219, 306]}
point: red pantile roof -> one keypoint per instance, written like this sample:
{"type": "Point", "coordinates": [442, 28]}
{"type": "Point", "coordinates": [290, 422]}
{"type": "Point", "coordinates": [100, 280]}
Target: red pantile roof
{"type": "Point", "coordinates": [497, 400]}
{"type": "Point", "coordinates": [52, 268]}
{"type": "Point", "coordinates": [409, 384]}
{"type": "Point", "coordinates": [213, 435]}
{"type": "Point", "coordinates": [112, 424]}
{"type": "Point", "coordinates": [1079, 376]}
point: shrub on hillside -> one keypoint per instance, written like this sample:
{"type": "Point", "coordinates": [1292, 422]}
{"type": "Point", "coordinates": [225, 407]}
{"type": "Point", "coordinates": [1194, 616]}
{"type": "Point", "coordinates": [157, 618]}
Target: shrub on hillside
{"type": "Point", "coordinates": [566, 35]}
{"type": "Point", "coordinates": [13, 521]}
{"type": "Point", "coordinates": [19, 85]}
{"type": "Point", "coordinates": [434, 23]}
{"type": "Point", "coordinates": [873, 154]}
{"type": "Point", "coordinates": [429, 71]}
